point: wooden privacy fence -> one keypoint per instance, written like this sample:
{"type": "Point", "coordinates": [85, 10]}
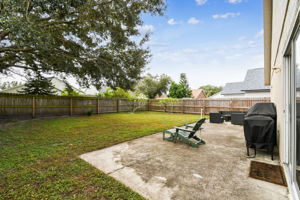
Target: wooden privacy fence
{"type": "Point", "coordinates": [195, 106]}
{"type": "Point", "coordinates": [16, 106]}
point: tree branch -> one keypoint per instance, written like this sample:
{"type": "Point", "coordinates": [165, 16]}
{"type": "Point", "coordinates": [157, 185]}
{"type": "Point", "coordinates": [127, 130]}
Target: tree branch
{"type": "Point", "coordinates": [4, 49]}
{"type": "Point", "coordinates": [14, 65]}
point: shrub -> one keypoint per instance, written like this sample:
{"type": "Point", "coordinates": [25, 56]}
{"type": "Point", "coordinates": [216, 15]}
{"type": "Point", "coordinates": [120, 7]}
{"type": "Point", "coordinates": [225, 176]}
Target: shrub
{"type": "Point", "coordinates": [166, 102]}
{"type": "Point", "coordinates": [89, 112]}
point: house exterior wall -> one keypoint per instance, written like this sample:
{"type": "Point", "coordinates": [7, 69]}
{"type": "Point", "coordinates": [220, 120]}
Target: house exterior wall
{"type": "Point", "coordinates": [283, 17]}
{"type": "Point", "coordinates": [232, 95]}
{"type": "Point", "coordinates": [58, 84]}
{"type": "Point", "coordinates": [257, 94]}
{"type": "Point", "coordinates": [216, 96]}
{"type": "Point", "coordinates": [245, 95]}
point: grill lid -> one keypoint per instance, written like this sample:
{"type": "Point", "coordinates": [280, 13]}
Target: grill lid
{"type": "Point", "coordinates": [264, 109]}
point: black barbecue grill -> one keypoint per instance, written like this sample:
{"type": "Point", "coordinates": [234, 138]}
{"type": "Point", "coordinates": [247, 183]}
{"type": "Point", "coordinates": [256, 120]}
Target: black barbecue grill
{"type": "Point", "coordinates": [260, 127]}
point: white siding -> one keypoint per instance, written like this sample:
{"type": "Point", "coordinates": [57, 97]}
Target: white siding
{"type": "Point", "coordinates": [281, 31]}
{"type": "Point", "coordinates": [245, 95]}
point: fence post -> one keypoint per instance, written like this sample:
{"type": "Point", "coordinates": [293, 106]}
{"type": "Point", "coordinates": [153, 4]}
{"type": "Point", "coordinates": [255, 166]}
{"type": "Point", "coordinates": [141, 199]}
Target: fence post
{"type": "Point", "coordinates": [33, 107]}
{"type": "Point", "coordinates": [98, 110]}
{"type": "Point", "coordinates": [204, 106]}
{"type": "Point", "coordinates": [133, 105]}
{"type": "Point", "coordinates": [182, 107]}
{"type": "Point", "coordinates": [117, 105]}
{"type": "Point", "coordinates": [71, 106]}
{"type": "Point", "coordinates": [148, 104]}
{"type": "Point", "coordinates": [172, 111]}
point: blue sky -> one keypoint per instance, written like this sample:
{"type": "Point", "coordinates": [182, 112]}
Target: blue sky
{"type": "Point", "coordinates": [212, 41]}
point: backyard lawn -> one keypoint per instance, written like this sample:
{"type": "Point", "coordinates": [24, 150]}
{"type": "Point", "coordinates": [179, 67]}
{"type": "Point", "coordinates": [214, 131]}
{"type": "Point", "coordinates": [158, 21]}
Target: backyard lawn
{"type": "Point", "coordinates": [39, 158]}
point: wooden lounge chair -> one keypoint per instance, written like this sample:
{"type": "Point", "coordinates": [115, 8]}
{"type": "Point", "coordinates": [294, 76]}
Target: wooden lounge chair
{"type": "Point", "coordinates": [185, 134]}
{"type": "Point", "coordinates": [201, 121]}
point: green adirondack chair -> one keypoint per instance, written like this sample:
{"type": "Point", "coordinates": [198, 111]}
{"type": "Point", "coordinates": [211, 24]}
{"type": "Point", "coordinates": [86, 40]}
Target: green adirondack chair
{"type": "Point", "coordinates": [185, 134]}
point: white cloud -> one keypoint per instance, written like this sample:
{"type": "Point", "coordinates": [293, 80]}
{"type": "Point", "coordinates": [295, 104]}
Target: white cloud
{"type": "Point", "coordinates": [233, 56]}
{"type": "Point", "coordinates": [259, 33]}
{"type": "Point", "coordinates": [252, 43]}
{"type": "Point", "coordinates": [201, 2]}
{"type": "Point", "coordinates": [189, 50]}
{"type": "Point", "coordinates": [158, 44]}
{"type": "Point", "coordinates": [235, 1]}
{"type": "Point", "coordinates": [193, 20]}
{"type": "Point", "coordinates": [146, 28]}
{"type": "Point", "coordinates": [241, 38]}
{"type": "Point", "coordinates": [173, 22]}
{"type": "Point", "coordinates": [226, 15]}
{"type": "Point", "coordinates": [223, 61]}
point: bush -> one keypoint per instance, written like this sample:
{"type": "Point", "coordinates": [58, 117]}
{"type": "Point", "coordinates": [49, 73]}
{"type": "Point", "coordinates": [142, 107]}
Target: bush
{"type": "Point", "coordinates": [166, 102]}
{"type": "Point", "coordinates": [89, 112]}
{"type": "Point", "coordinates": [117, 93]}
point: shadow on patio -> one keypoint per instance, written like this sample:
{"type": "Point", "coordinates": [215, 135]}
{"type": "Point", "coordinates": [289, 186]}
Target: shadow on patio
{"type": "Point", "coordinates": [159, 169]}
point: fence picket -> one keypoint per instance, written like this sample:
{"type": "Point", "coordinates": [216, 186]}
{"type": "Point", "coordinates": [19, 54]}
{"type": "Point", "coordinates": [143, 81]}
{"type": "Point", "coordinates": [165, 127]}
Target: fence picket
{"type": "Point", "coordinates": [209, 105]}
{"type": "Point", "coordinates": [14, 106]}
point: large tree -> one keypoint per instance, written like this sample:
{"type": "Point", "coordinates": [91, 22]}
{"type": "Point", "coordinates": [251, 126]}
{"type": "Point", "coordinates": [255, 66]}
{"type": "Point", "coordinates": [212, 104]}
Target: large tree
{"type": "Point", "coordinates": [38, 85]}
{"type": "Point", "coordinates": [211, 90]}
{"type": "Point", "coordinates": [97, 41]}
{"type": "Point", "coordinates": [151, 86]}
{"type": "Point", "coordinates": [181, 89]}
{"type": "Point", "coordinates": [185, 84]}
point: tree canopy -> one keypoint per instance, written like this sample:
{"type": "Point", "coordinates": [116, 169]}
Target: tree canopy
{"type": "Point", "coordinates": [151, 86]}
{"type": "Point", "coordinates": [181, 89]}
{"type": "Point", "coordinates": [70, 91]}
{"type": "Point", "coordinates": [211, 90]}
{"type": "Point", "coordinates": [114, 93]}
{"type": "Point", "coordinates": [98, 42]}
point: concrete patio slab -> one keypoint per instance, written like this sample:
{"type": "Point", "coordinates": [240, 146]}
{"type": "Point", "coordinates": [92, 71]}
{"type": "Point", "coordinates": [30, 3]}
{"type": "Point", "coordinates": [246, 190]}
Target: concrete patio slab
{"type": "Point", "coordinates": [162, 170]}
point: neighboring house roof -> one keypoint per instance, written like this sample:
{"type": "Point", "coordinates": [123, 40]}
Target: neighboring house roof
{"type": "Point", "coordinates": [58, 84]}
{"type": "Point", "coordinates": [217, 95]}
{"type": "Point", "coordinates": [199, 93]}
{"type": "Point", "coordinates": [254, 81]}
{"type": "Point", "coordinates": [61, 85]}
{"type": "Point", "coordinates": [19, 87]}
{"type": "Point", "coordinates": [233, 88]}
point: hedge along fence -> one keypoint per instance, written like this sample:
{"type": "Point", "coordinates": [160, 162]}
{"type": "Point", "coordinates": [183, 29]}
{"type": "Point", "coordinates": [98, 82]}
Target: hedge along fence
{"type": "Point", "coordinates": [16, 106]}
{"type": "Point", "coordinates": [205, 106]}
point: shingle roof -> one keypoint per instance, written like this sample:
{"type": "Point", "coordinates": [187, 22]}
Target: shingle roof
{"type": "Point", "coordinates": [233, 88]}
{"type": "Point", "coordinates": [254, 81]}
{"type": "Point", "coordinates": [198, 93]}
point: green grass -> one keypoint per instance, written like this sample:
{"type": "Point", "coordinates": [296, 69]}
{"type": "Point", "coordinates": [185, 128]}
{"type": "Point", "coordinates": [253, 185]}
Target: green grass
{"type": "Point", "coordinates": [39, 158]}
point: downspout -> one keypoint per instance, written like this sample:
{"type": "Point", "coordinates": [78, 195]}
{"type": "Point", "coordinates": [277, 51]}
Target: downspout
{"type": "Point", "coordinates": [267, 40]}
